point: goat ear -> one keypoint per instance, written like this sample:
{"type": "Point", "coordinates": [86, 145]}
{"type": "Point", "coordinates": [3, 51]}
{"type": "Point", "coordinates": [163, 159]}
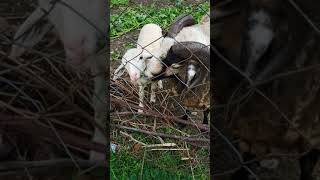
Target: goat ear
{"type": "Point", "coordinates": [118, 72]}
{"type": "Point", "coordinates": [146, 55]}
{"type": "Point", "coordinates": [30, 32]}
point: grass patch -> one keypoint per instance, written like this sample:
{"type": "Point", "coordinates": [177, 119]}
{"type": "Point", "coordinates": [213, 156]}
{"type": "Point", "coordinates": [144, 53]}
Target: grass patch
{"type": "Point", "coordinates": [126, 163]}
{"type": "Point", "coordinates": [137, 16]}
{"type": "Point", "coordinates": [157, 165]}
{"type": "Point", "coordinates": [118, 3]}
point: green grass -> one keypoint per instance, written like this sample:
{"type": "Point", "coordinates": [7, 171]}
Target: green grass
{"type": "Point", "coordinates": [137, 16]}
{"type": "Point", "coordinates": [157, 165]}
{"type": "Point", "coordinates": [119, 3]}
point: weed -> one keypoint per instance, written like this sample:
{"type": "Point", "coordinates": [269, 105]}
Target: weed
{"type": "Point", "coordinates": [119, 3]}
{"type": "Point", "coordinates": [137, 16]}
{"type": "Point", "coordinates": [168, 166]}
{"type": "Point", "coordinates": [156, 164]}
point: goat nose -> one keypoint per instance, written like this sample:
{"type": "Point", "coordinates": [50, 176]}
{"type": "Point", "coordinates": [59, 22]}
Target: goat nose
{"type": "Point", "coordinates": [134, 76]}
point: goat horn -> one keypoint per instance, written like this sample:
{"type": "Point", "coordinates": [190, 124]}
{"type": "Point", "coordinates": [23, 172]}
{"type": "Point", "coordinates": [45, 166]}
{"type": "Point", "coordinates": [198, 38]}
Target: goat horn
{"type": "Point", "coordinates": [179, 23]}
{"type": "Point", "coordinates": [182, 52]}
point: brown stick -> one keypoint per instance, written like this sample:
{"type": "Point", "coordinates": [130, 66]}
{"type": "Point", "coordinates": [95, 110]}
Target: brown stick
{"type": "Point", "coordinates": [151, 113]}
{"type": "Point", "coordinates": [161, 134]}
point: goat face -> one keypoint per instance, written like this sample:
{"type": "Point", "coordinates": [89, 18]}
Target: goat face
{"type": "Point", "coordinates": [190, 57]}
{"type": "Point", "coordinates": [79, 24]}
{"type": "Point", "coordinates": [133, 61]}
{"type": "Point", "coordinates": [139, 62]}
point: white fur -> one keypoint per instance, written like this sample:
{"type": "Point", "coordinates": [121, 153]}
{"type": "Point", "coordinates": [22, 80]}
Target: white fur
{"type": "Point", "coordinates": [79, 37]}
{"type": "Point", "coordinates": [193, 33]}
{"type": "Point", "coordinates": [191, 72]}
{"type": "Point", "coordinates": [205, 24]}
{"type": "Point", "coordinates": [150, 39]}
{"type": "Point", "coordinates": [139, 62]}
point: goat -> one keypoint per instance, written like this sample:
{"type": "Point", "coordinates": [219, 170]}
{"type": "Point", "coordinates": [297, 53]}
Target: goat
{"type": "Point", "coordinates": [188, 63]}
{"type": "Point", "coordinates": [184, 22]}
{"type": "Point", "coordinates": [137, 61]}
{"type": "Point", "coordinates": [270, 129]}
{"type": "Point", "coordinates": [79, 23]}
{"type": "Point", "coordinates": [184, 29]}
{"type": "Point", "coordinates": [183, 56]}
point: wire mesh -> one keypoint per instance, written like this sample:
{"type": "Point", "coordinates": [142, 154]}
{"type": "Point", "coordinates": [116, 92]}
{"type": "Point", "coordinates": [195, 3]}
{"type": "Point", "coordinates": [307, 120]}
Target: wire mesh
{"type": "Point", "coordinates": [272, 117]}
{"type": "Point", "coordinates": [46, 104]}
{"type": "Point", "coordinates": [169, 111]}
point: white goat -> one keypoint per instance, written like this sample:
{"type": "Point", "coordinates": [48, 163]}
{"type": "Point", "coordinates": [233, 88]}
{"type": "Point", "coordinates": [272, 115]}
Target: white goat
{"type": "Point", "coordinates": [79, 24]}
{"type": "Point", "coordinates": [138, 63]}
{"type": "Point", "coordinates": [196, 33]}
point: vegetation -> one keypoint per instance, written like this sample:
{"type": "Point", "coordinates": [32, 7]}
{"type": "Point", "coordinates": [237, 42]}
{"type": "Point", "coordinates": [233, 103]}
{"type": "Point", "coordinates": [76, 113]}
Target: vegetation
{"type": "Point", "coordinates": [132, 161]}
{"type": "Point", "coordinates": [136, 16]}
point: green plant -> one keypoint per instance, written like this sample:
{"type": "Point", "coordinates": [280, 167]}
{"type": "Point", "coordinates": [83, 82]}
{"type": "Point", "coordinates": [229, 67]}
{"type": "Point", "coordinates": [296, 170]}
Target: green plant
{"type": "Point", "coordinates": [157, 165]}
{"type": "Point", "coordinates": [137, 16]}
{"type": "Point", "coordinates": [119, 3]}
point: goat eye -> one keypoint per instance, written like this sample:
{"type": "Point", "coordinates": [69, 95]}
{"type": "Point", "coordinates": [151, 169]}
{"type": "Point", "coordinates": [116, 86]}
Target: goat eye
{"type": "Point", "coordinates": [140, 57]}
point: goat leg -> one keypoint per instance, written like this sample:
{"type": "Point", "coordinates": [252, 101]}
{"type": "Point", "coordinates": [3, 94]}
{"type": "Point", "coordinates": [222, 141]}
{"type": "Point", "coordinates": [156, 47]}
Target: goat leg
{"type": "Point", "coordinates": [141, 96]}
{"type": "Point", "coordinates": [206, 115]}
{"type": "Point", "coordinates": [153, 94]}
{"type": "Point", "coordinates": [160, 84]}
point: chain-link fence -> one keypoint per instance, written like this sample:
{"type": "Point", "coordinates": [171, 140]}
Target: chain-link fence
{"type": "Point", "coordinates": [169, 114]}
{"type": "Point", "coordinates": [265, 121]}
{"type": "Point", "coordinates": [47, 114]}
